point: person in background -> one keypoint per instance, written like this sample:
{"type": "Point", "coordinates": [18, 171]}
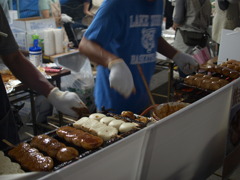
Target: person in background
{"type": "Point", "coordinates": [123, 40]}
{"type": "Point", "coordinates": [26, 72]}
{"type": "Point", "coordinates": [191, 18]}
{"type": "Point", "coordinates": [87, 4]}
{"type": "Point", "coordinates": [50, 8]}
{"type": "Point", "coordinates": [90, 8]}
{"type": "Point", "coordinates": [169, 14]}
{"type": "Point", "coordinates": [227, 16]}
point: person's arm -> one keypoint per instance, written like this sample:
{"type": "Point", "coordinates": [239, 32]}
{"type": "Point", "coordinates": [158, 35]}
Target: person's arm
{"type": "Point", "coordinates": [179, 14]}
{"type": "Point", "coordinates": [24, 70]}
{"type": "Point", "coordinates": [120, 77]}
{"type": "Point", "coordinates": [95, 52]}
{"type": "Point", "coordinates": [45, 13]}
{"type": "Point", "coordinates": [184, 61]}
{"type": "Point", "coordinates": [44, 8]}
{"type": "Point", "coordinates": [86, 6]}
{"type": "Point", "coordinates": [67, 102]}
{"type": "Point", "coordinates": [166, 49]}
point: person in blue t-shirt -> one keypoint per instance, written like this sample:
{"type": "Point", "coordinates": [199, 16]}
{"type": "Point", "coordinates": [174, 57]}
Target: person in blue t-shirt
{"type": "Point", "coordinates": [123, 36]}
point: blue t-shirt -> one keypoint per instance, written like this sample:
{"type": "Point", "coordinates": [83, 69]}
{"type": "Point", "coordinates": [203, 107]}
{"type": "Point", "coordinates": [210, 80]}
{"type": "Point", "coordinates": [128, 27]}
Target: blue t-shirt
{"type": "Point", "coordinates": [129, 29]}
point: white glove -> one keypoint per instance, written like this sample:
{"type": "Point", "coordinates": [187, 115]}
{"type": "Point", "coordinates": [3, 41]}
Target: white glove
{"type": "Point", "coordinates": [120, 77]}
{"type": "Point", "coordinates": [186, 63]}
{"type": "Point", "coordinates": [67, 102]}
{"type": "Point", "coordinates": [66, 18]}
{"type": "Point", "coordinates": [237, 29]}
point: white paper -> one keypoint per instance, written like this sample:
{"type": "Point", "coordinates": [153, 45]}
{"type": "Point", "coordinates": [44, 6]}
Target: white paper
{"type": "Point", "coordinates": [229, 46]}
{"type": "Point", "coordinates": [49, 42]}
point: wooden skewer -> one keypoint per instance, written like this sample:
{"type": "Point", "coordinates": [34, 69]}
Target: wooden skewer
{"type": "Point", "coordinates": [8, 143]}
{"type": "Point", "coordinates": [29, 134]}
{"type": "Point", "coordinates": [145, 84]}
{"type": "Point", "coordinates": [53, 125]}
{"type": "Point", "coordinates": [3, 34]}
{"type": "Point", "coordinates": [69, 119]}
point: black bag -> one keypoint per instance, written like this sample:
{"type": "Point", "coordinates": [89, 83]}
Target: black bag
{"type": "Point", "coordinates": [194, 38]}
{"type": "Point", "coordinates": [223, 4]}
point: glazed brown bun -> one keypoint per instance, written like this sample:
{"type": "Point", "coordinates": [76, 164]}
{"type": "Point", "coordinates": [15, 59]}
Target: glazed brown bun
{"type": "Point", "coordinates": [214, 78]}
{"type": "Point", "coordinates": [226, 71]}
{"type": "Point", "coordinates": [189, 80]}
{"type": "Point", "coordinates": [128, 114]}
{"type": "Point", "coordinates": [214, 85]}
{"type": "Point", "coordinates": [206, 84]}
{"type": "Point", "coordinates": [222, 82]}
{"type": "Point", "coordinates": [218, 69]}
{"type": "Point", "coordinates": [207, 76]}
{"type": "Point", "coordinates": [234, 74]}
{"type": "Point", "coordinates": [225, 64]}
{"type": "Point", "coordinates": [211, 69]}
{"type": "Point", "coordinates": [237, 68]}
{"type": "Point", "coordinates": [231, 66]}
{"type": "Point", "coordinates": [199, 75]}
{"type": "Point", "coordinates": [232, 61]}
{"type": "Point", "coordinates": [198, 81]}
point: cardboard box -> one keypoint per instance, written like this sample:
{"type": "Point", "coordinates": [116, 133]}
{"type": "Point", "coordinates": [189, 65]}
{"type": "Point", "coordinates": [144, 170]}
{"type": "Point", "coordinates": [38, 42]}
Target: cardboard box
{"type": "Point", "coordinates": [24, 38]}
{"type": "Point", "coordinates": [13, 15]}
{"type": "Point", "coordinates": [34, 23]}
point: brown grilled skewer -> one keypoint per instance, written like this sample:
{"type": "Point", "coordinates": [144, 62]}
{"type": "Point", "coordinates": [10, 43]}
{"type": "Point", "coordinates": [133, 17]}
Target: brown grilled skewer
{"type": "Point", "coordinates": [53, 125]}
{"type": "Point", "coordinates": [54, 148]}
{"type": "Point", "coordinates": [8, 143]}
{"type": "Point", "coordinates": [31, 135]}
{"type": "Point", "coordinates": [29, 158]}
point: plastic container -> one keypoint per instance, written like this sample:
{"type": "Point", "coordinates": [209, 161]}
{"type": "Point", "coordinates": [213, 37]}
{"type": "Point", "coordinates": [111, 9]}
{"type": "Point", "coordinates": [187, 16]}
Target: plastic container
{"type": "Point", "coordinates": [35, 54]}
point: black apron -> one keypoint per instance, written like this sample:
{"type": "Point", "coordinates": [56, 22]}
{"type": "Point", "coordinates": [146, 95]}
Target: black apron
{"type": "Point", "coordinates": [8, 128]}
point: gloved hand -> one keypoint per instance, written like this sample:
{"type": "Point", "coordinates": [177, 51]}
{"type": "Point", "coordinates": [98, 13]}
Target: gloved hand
{"type": "Point", "coordinates": [186, 63]}
{"type": "Point", "coordinates": [67, 102]}
{"type": "Point", "coordinates": [120, 77]}
{"type": "Point", "coordinates": [66, 18]}
{"type": "Point", "coordinates": [237, 29]}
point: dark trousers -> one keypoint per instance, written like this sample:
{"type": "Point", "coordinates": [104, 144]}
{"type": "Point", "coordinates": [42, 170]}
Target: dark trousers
{"type": "Point", "coordinates": [8, 127]}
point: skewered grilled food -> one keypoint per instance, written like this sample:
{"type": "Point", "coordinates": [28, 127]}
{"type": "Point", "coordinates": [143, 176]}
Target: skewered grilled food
{"type": "Point", "coordinates": [116, 123]}
{"type": "Point", "coordinates": [189, 79]}
{"type": "Point", "coordinates": [127, 126]}
{"type": "Point", "coordinates": [97, 116]}
{"type": "Point", "coordinates": [106, 120]}
{"type": "Point", "coordinates": [95, 127]}
{"type": "Point", "coordinates": [79, 137]}
{"type": "Point", "coordinates": [66, 154]}
{"type": "Point", "coordinates": [166, 109]}
{"type": "Point", "coordinates": [142, 119]}
{"type": "Point", "coordinates": [54, 148]}
{"type": "Point", "coordinates": [30, 158]}
{"type": "Point", "coordinates": [205, 82]}
{"type": "Point", "coordinates": [131, 115]}
{"type": "Point", "coordinates": [128, 114]}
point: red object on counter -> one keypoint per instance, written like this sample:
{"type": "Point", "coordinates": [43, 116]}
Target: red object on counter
{"type": "Point", "coordinates": [49, 69]}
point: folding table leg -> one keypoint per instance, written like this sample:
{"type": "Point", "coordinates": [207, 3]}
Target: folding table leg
{"type": "Point", "coordinates": [33, 112]}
